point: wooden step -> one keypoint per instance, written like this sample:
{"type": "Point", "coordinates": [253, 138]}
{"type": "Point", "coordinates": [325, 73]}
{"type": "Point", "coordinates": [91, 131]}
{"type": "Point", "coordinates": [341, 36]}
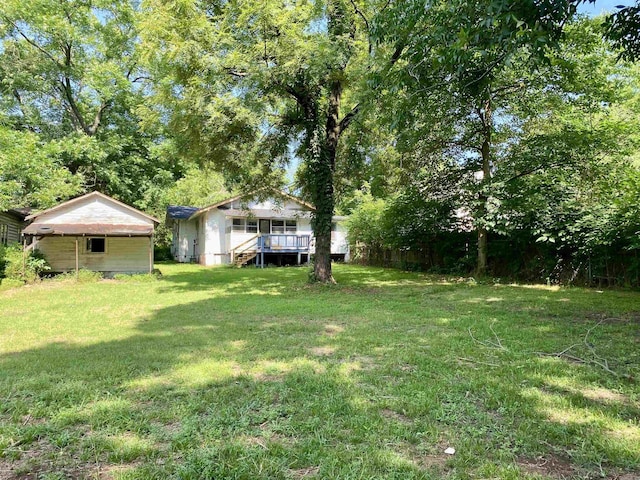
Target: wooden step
{"type": "Point", "coordinates": [244, 257]}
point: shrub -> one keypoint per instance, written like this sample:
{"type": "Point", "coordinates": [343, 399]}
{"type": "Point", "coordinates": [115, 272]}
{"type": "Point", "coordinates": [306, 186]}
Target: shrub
{"type": "Point", "coordinates": [162, 253]}
{"type": "Point", "coordinates": [83, 276]}
{"type": "Point", "coordinates": [16, 267]}
{"type": "Point", "coordinates": [137, 277]}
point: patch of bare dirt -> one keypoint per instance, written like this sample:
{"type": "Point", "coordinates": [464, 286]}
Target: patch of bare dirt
{"type": "Point", "coordinates": [604, 395]}
{"type": "Point", "coordinates": [325, 351]}
{"type": "Point", "coordinates": [433, 459]}
{"type": "Point", "coordinates": [624, 476]}
{"type": "Point", "coordinates": [307, 472]}
{"type": "Point", "coordinates": [398, 417]}
{"type": "Point", "coordinates": [332, 330]}
{"type": "Point", "coordinates": [268, 377]}
{"type": "Point", "coordinates": [365, 362]}
{"type": "Point", "coordinates": [405, 367]}
{"type": "Point", "coordinates": [108, 472]}
{"type": "Point", "coordinates": [552, 466]}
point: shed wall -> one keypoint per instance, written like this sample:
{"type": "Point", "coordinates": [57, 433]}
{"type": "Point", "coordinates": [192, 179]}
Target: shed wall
{"type": "Point", "coordinates": [123, 254]}
{"type": "Point", "coordinates": [14, 227]}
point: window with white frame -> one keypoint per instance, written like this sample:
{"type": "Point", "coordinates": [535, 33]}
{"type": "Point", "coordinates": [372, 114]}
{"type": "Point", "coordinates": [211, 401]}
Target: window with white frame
{"type": "Point", "coordinates": [242, 225]}
{"type": "Point", "coordinates": [291, 226]}
{"type": "Point", "coordinates": [238, 225]}
{"type": "Point", "coordinates": [277, 226]}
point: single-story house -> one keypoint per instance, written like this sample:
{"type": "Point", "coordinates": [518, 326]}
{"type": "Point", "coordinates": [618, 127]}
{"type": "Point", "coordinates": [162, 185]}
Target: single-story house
{"type": "Point", "coordinates": [11, 225]}
{"type": "Point", "coordinates": [249, 229]}
{"type": "Point", "coordinates": [95, 232]}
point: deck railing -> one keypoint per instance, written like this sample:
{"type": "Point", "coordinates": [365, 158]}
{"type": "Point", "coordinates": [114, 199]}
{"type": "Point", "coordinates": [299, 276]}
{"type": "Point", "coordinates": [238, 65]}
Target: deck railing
{"type": "Point", "coordinates": [283, 243]}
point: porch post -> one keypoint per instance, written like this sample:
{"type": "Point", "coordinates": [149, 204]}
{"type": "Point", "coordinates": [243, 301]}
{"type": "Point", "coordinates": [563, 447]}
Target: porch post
{"type": "Point", "coordinates": [262, 259]}
{"type": "Point", "coordinates": [151, 254]}
{"type": "Point", "coordinates": [299, 258]}
{"type": "Point", "coordinates": [24, 255]}
{"type": "Point", "coordinates": [77, 261]}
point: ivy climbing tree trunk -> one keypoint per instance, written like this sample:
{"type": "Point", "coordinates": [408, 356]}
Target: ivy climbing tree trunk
{"type": "Point", "coordinates": [486, 119]}
{"type": "Point", "coordinates": [322, 187]}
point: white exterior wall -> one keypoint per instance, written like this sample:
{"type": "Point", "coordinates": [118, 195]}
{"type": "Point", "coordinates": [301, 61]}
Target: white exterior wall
{"type": "Point", "coordinates": [184, 235]}
{"type": "Point", "coordinates": [213, 235]}
{"type": "Point", "coordinates": [122, 255]}
{"type": "Point", "coordinates": [339, 243]}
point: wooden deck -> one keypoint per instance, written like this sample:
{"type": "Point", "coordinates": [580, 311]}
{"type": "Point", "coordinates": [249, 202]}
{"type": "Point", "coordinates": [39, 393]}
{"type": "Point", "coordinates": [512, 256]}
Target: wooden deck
{"type": "Point", "coordinates": [263, 244]}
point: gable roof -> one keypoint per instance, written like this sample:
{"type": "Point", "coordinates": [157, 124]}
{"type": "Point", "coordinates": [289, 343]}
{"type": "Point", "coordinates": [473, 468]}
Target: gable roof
{"type": "Point", "coordinates": [180, 212]}
{"type": "Point", "coordinates": [88, 196]}
{"type": "Point", "coordinates": [251, 194]}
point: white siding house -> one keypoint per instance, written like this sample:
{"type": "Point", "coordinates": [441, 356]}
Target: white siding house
{"type": "Point", "coordinates": [246, 229]}
{"type": "Point", "coordinates": [95, 232]}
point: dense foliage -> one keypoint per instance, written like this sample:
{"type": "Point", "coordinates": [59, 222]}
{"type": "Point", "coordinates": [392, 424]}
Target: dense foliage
{"type": "Point", "coordinates": [20, 266]}
{"type": "Point", "coordinates": [431, 124]}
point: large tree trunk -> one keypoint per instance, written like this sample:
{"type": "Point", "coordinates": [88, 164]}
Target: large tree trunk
{"type": "Point", "coordinates": [324, 200]}
{"type": "Point", "coordinates": [483, 198]}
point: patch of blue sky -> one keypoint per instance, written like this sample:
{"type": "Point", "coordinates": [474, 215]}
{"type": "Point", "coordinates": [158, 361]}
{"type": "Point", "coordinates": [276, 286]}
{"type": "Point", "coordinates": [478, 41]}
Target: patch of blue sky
{"type": "Point", "coordinates": [601, 7]}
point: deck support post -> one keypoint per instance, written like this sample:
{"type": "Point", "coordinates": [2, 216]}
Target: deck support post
{"type": "Point", "coordinates": [77, 260]}
{"type": "Point", "coordinates": [299, 258]}
{"type": "Point", "coordinates": [261, 259]}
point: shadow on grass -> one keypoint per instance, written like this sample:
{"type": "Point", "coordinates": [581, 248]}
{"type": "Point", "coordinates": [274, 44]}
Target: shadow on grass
{"type": "Point", "coordinates": [310, 381]}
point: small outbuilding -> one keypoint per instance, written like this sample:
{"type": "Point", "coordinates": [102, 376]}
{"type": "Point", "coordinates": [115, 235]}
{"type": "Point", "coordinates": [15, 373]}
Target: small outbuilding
{"type": "Point", "coordinates": [11, 225]}
{"type": "Point", "coordinates": [94, 232]}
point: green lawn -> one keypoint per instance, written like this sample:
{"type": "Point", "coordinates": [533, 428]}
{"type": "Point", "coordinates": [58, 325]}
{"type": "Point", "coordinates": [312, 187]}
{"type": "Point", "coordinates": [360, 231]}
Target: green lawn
{"type": "Point", "coordinates": [228, 373]}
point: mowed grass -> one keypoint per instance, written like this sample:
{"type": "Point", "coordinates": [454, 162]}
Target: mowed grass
{"type": "Point", "coordinates": [249, 374]}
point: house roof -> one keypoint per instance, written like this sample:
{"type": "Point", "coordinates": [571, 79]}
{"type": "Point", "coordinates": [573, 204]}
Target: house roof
{"type": "Point", "coordinates": [251, 194]}
{"type": "Point", "coordinates": [84, 197]}
{"type": "Point", "coordinates": [179, 212]}
{"type": "Point", "coordinates": [19, 213]}
{"type": "Point", "coordinates": [266, 213]}
{"type": "Point", "coordinates": [99, 229]}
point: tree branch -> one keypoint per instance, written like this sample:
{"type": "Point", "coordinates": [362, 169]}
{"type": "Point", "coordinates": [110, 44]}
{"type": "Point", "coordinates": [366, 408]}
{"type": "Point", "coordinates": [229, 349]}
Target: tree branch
{"type": "Point", "coordinates": [361, 14]}
{"type": "Point", "coordinates": [236, 73]}
{"type": "Point", "coordinates": [33, 43]}
{"type": "Point", "coordinates": [348, 118]}
{"type": "Point", "coordinates": [93, 129]}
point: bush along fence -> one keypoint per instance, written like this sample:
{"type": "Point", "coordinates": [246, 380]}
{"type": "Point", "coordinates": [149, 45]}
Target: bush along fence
{"type": "Point", "coordinates": [513, 259]}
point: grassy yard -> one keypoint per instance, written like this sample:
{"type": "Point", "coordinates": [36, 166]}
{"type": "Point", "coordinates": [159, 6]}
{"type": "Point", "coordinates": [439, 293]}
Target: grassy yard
{"type": "Point", "coordinates": [227, 373]}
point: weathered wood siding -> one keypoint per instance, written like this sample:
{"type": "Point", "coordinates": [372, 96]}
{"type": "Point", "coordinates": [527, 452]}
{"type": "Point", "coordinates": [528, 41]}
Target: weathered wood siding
{"type": "Point", "coordinates": [94, 210]}
{"type": "Point", "coordinates": [123, 254]}
{"type": "Point", "coordinates": [14, 227]}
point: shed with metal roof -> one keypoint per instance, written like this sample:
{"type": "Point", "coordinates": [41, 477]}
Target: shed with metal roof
{"type": "Point", "coordinates": [94, 232]}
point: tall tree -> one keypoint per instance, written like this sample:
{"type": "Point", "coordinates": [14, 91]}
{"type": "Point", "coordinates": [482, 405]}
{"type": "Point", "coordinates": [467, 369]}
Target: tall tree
{"type": "Point", "coordinates": [69, 73]}
{"type": "Point", "coordinates": [454, 59]}
{"type": "Point", "coordinates": [250, 84]}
